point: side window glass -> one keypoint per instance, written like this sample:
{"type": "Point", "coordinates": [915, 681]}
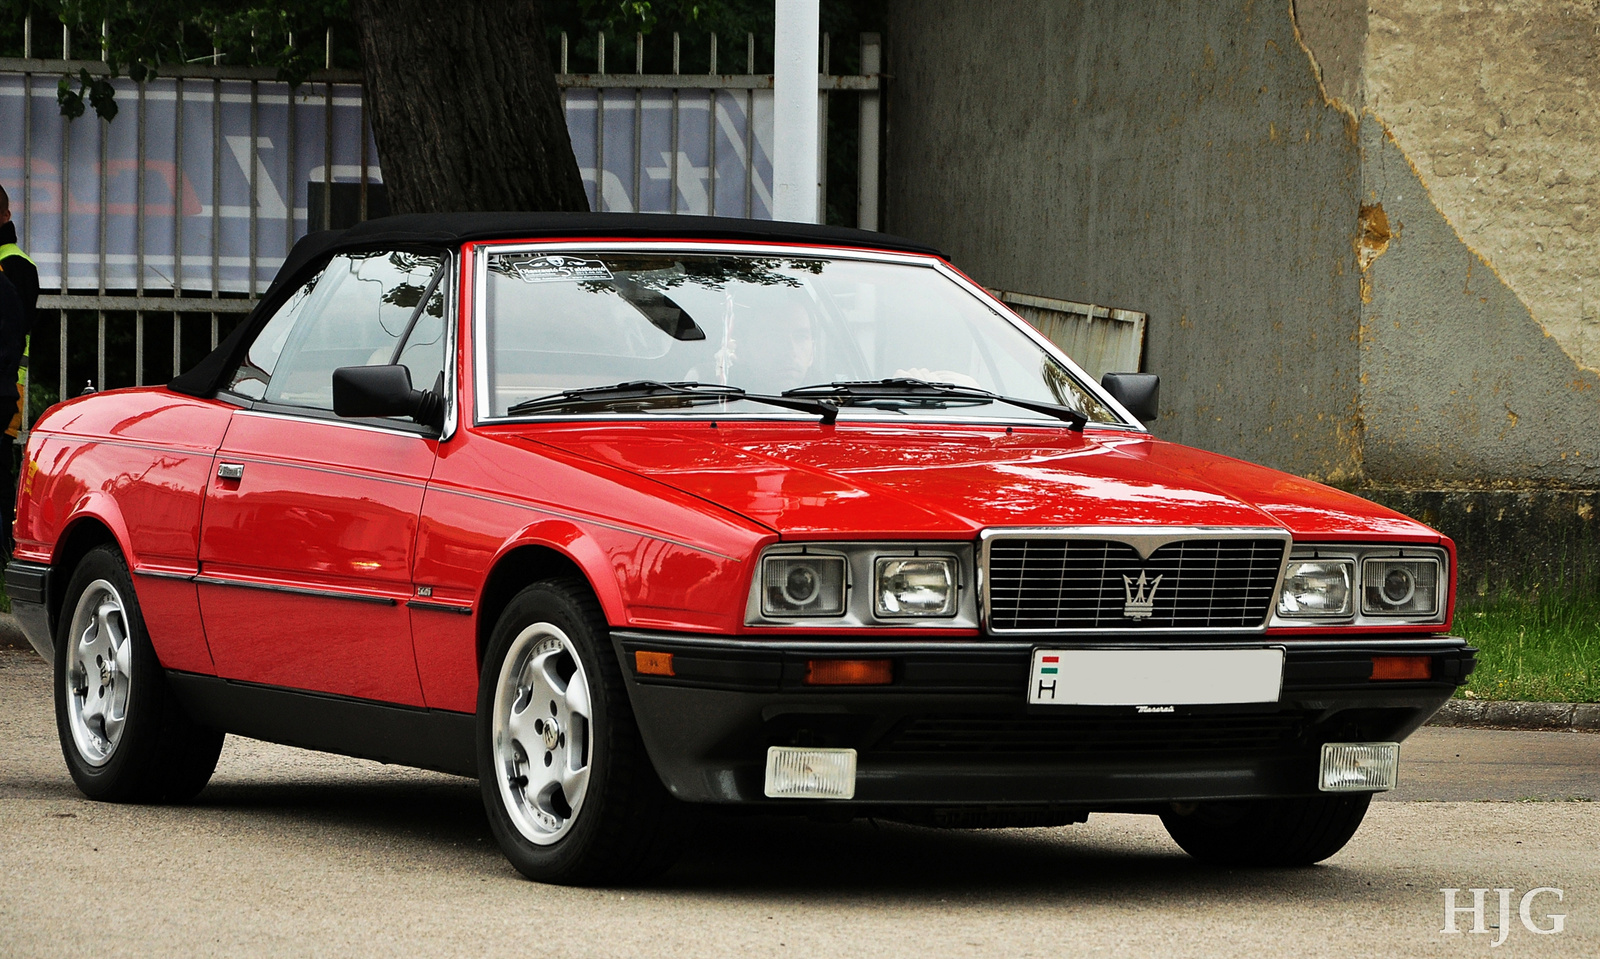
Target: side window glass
{"type": "Point", "coordinates": [250, 379]}
{"type": "Point", "coordinates": [358, 314]}
{"type": "Point", "coordinates": [423, 350]}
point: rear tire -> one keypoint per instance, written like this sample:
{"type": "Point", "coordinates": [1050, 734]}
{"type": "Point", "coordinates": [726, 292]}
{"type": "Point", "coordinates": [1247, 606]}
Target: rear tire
{"type": "Point", "coordinates": [123, 735]}
{"type": "Point", "coordinates": [1267, 832]}
{"type": "Point", "coordinates": [571, 795]}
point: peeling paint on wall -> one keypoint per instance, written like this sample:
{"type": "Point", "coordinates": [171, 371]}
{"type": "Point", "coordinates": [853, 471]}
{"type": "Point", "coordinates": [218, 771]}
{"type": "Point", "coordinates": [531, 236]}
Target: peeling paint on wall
{"type": "Point", "coordinates": [1499, 107]}
{"type": "Point", "coordinates": [1499, 401]}
{"type": "Point", "coordinates": [1372, 239]}
{"type": "Point", "coordinates": [1372, 234]}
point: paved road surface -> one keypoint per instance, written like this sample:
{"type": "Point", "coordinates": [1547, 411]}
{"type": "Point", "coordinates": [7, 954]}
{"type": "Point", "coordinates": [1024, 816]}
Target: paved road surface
{"type": "Point", "coordinates": [295, 853]}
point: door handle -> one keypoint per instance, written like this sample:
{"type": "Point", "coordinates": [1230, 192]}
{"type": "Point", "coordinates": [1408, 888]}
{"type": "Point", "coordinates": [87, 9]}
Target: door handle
{"type": "Point", "coordinates": [230, 471]}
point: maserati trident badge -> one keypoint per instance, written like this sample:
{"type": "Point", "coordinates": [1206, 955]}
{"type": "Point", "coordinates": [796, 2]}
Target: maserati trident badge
{"type": "Point", "coordinates": [1141, 602]}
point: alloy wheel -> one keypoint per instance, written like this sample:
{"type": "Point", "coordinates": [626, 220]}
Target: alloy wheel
{"type": "Point", "coordinates": [99, 672]}
{"type": "Point", "coordinates": [542, 733]}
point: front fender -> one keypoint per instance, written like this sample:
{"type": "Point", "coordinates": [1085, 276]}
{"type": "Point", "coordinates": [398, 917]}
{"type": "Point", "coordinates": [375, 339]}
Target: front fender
{"type": "Point", "coordinates": [581, 550]}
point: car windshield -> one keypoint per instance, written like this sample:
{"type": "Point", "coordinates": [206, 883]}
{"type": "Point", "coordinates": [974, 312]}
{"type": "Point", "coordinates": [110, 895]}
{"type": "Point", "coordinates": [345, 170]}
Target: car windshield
{"type": "Point", "coordinates": [764, 324]}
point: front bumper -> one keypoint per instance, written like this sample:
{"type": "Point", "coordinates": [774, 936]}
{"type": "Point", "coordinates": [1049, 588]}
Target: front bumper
{"type": "Point", "coordinates": [953, 728]}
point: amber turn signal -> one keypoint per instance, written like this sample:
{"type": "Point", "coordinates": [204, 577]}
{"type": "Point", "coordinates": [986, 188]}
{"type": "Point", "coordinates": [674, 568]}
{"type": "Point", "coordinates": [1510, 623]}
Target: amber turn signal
{"type": "Point", "coordinates": [647, 663]}
{"type": "Point", "coordinates": [849, 672]}
{"type": "Point", "coordinates": [1402, 667]}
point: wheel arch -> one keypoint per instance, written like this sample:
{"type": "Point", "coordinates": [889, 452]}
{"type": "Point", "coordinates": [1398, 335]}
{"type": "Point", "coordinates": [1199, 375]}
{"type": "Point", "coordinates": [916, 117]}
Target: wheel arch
{"type": "Point", "coordinates": [532, 560]}
{"type": "Point", "coordinates": [84, 532]}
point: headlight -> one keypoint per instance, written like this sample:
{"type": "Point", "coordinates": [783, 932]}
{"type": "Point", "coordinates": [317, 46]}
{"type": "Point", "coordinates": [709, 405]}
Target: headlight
{"type": "Point", "coordinates": [1319, 588]}
{"type": "Point", "coordinates": [803, 585]}
{"type": "Point", "coordinates": [1400, 587]}
{"type": "Point", "coordinates": [1363, 584]}
{"type": "Point", "coordinates": [922, 585]}
{"type": "Point", "coordinates": [914, 586]}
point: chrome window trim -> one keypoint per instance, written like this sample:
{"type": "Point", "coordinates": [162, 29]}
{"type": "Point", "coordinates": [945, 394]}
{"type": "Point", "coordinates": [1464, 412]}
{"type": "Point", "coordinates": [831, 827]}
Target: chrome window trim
{"type": "Point", "coordinates": [369, 424]}
{"type": "Point", "coordinates": [452, 349]}
{"type": "Point", "coordinates": [480, 310]}
{"type": "Point", "coordinates": [859, 559]}
{"type": "Point", "coordinates": [1145, 540]}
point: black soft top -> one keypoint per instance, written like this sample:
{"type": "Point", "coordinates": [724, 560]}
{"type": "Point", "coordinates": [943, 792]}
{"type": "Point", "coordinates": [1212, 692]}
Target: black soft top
{"type": "Point", "coordinates": [445, 231]}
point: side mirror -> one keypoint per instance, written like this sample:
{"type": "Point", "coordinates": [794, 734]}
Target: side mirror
{"type": "Point", "coordinates": [384, 391]}
{"type": "Point", "coordinates": [1139, 393]}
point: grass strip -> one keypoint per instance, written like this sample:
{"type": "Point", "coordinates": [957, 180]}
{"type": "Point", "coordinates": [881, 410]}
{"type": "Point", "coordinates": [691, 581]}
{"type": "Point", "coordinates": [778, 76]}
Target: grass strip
{"type": "Point", "coordinates": [1533, 648]}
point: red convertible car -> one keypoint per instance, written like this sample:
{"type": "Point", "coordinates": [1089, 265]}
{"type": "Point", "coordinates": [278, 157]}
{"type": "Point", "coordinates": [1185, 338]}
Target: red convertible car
{"type": "Point", "coordinates": [623, 514]}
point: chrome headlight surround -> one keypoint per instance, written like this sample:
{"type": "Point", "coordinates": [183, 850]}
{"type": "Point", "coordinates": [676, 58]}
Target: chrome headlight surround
{"type": "Point", "coordinates": [1422, 604]}
{"type": "Point", "coordinates": [868, 569]}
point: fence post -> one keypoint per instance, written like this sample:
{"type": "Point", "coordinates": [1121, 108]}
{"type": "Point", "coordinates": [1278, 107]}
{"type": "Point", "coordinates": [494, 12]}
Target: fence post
{"type": "Point", "coordinates": [869, 131]}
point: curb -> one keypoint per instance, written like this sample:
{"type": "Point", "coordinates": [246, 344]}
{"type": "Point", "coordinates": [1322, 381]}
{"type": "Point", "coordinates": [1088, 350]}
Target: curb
{"type": "Point", "coordinates": [1513, 715]}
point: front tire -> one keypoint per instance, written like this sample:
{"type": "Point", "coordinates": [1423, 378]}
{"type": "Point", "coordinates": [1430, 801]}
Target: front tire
{"type": "Point", "coordinates": [1267, 832]}
{"type": "Point", "coordinates": [570, 793]}
{"type": "Point", "coordinates": [123, 735]}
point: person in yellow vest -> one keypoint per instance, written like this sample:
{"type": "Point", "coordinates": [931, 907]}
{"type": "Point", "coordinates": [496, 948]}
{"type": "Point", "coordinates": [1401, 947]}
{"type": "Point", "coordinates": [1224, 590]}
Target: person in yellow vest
{"type": "Point", "coordinates": [23, 277]}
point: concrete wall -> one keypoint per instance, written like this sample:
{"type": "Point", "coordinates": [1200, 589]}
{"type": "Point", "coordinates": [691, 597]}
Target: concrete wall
{"type": "Point", "coordinates": [1498, 105]}
{"type": "Point", "coordinates": [1460, 386]}
{"type": "Point", "coordinates": [1175, 158]}
{"type": "Point", "coordinates": [1230, 168]}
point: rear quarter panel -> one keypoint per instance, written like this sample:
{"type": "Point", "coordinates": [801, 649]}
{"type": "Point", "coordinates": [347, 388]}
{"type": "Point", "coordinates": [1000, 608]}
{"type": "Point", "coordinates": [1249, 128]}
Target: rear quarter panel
{"type": "Point", "coordinates": [135, 461]}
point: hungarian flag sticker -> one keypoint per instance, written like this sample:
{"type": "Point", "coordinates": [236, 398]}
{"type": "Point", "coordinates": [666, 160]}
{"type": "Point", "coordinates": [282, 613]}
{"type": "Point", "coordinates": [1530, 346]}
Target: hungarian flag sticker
{"type": "Point", "coordinates": [1046, 666]}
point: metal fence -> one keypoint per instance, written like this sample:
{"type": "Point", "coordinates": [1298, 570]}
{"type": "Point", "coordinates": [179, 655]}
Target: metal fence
{"type": "Point", "coordinates": [155, 232]}
{"type": "Point", "coordinates": [1101, 339]}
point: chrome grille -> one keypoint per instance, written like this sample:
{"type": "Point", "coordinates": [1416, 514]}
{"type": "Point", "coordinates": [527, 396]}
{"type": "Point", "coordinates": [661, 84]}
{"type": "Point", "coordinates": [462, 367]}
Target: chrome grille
{"type": "Point", "coordinates": [1052, 583]}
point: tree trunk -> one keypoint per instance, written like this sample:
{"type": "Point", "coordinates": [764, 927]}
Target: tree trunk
{"type": "Point", "coordinates": [464, 106]}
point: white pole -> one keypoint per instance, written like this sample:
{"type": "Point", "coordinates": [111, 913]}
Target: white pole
{"type": "Point", "coordinates": [794, 96]}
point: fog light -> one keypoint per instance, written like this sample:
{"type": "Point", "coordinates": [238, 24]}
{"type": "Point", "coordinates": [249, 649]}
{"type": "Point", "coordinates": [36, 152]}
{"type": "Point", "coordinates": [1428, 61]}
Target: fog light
{"type": "Point", "coordinates": [810, 773]}
{"type": "Point", "coordinates": [1359, 767]}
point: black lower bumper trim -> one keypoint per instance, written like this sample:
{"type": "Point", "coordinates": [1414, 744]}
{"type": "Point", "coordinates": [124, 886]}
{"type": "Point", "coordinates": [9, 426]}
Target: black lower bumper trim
{"type": "Point", "coordinates": [27, 582]}
{"type": "Point", "coordinates": [28, 586]}
{"type": "Point", "coordinates": [953, 727]}
{"type": "Point", "coordinates": [427, 738]}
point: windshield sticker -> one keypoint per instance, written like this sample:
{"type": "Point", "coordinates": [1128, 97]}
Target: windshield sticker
{"type": "Point", "coordinates": [555, 269]}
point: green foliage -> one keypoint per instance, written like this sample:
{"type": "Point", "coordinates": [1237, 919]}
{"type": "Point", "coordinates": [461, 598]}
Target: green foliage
{"type": "Point", "coordinates": [140, 37]}
{"type": "Point", "coordinates": [102, 96]}
{"type": "Point", "coordinates": [1543, 648]}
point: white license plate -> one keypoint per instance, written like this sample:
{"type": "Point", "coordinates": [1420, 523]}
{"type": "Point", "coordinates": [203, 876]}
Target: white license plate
{"type": "Point", "coordinates": [1154, 677]}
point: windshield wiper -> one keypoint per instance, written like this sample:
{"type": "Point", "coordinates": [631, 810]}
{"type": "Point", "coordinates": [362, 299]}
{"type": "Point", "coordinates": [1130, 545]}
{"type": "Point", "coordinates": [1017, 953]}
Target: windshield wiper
{"type": "Point", "coordinates": [850, 391]}
{"type": "Point", "coordinates": [634, 391]}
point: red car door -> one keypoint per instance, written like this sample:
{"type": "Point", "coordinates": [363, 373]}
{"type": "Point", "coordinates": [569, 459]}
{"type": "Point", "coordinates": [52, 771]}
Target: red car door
{"type": "Point", "coordinates": [306, 551]}
{"type": "Point", "coordinates": [309, 529]}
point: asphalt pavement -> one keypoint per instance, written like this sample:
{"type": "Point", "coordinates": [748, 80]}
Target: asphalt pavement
{"type": "Point", "coordinates": [296, 853]}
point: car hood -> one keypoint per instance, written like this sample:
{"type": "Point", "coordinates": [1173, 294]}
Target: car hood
{"type": "Point", "coordinates": [864, 481]}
